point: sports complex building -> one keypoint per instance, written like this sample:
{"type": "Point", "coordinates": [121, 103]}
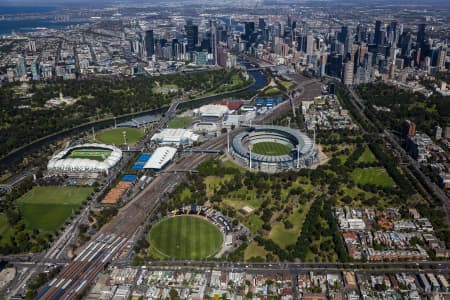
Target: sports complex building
{"type": "Point", "coordinates": [87, 160]}
{"type": "Point", "coordinates": [273, 148]}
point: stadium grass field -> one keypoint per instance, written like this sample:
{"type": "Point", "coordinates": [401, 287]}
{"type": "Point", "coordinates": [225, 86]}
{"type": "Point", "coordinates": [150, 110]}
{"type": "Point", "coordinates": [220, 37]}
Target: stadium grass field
{"type": "Point", "coordinates": [185, 237]}
{"type": "Point", "coordinates": [94, 154]}
{"type": "Point", "coordinates": [271, 148]}
{"type": "Point", "coordinates": [47, 207]}
{"type": "Point", "coordinates": [115, 136]}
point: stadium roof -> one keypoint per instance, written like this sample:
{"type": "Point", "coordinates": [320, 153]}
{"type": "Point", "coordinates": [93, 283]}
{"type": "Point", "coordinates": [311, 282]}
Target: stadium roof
{"type": "Point", "coordinates": [175, 136]}
{"type": "Point", "coordinates": [303, 142]}
{"type": "Point", "coordinates": [60, 163]}
{"type": "Point", "coordinates": [160, 158]}
{"type": "Point", "coordinates": [213, 110]}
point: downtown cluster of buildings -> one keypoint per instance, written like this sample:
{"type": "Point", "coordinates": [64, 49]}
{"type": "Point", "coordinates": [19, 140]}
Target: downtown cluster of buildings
{"type": "Point", "coordinates": [160, 42]}
{"type": "Point", "coordinates": [143, 283]}
{"type": "Point", "coordinates": [388, 235]}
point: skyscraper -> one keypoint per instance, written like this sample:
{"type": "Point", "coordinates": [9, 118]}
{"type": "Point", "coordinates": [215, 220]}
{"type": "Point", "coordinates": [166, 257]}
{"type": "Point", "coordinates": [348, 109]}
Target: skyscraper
{"type": "Point", "coordinates": [191, 35]}
{"type": "Point", "coordinates": [213, 28]}
{"type": "Point", "coordinates": [348, 73]}
{"type": "Point", "coordinates": [394, 33]}
{"type": "Point", "coordinates": [441, 59]}
{"type": "Point", "coordinates": [149, 43]}
{"type": "Point", "coordinates": [261, 24]}
{"type": "Point", "coordinates": [309, 43]}
{"type": "Point", "coordinates": [249, 29]}
{"type": "Point", "coordinates": [420, 35]}
{"type": "Point", "coordinates": [342, 36]}
{"type": "Point", "coordinates": [21, 67]}
{"type": "Point", "coordinates": [409, 128]}
{"type": "Point", "coordinates": [378, 38]}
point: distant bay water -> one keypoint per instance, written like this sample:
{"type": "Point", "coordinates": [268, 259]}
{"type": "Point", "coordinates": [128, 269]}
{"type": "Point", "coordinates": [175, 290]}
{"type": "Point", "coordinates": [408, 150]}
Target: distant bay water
{"type": "Point", "coordinates": [33, 24]}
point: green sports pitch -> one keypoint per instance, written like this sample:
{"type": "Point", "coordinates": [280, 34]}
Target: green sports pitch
{"type": "Point", "coordinates": [185, 237]}
{"type": "Point", "coordinates": [47, 207]}
{"type": "Point", "coordinates": [115, 136]}
{"type": "Point", "coordinates": [271, 149]}
{"type": "Point", "coordinates": [91, 153]}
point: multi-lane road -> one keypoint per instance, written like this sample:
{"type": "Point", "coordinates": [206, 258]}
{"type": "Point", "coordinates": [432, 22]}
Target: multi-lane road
{"type": "Point", "coordinates": [359, 105]}
{"type": "Point", "coordinates": [118, 233]}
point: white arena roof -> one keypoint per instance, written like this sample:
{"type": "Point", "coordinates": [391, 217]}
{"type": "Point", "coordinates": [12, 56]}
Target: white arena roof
{"type": "Point", "coordinates": [160, 158]}
{"type": "Point", "coordinates": [175, 136]}
{"type": "Point", "coordinates": [214, 110]}
{"type": "Point", "coordinates": [61, 163]}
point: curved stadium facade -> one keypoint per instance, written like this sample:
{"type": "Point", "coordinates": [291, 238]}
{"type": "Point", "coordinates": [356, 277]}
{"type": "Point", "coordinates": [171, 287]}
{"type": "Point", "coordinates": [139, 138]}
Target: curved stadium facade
{"type": "Point", "coordinates": [63, 163]}
{"type": "Point", "coordinates": [303, 151]}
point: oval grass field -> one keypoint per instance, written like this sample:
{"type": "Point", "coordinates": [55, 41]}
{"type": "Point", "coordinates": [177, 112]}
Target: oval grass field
{"type": "Point", "coordinates": [271, 149]}
{"type": "Point", "coordinates": [185, 237]}
{"type": "Point", "coordinates": [115, 136]}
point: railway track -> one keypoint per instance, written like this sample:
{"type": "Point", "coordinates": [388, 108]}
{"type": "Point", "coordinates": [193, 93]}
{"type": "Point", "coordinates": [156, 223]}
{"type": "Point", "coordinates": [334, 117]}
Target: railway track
{"type": "Point", "coordinates": [110, 240]}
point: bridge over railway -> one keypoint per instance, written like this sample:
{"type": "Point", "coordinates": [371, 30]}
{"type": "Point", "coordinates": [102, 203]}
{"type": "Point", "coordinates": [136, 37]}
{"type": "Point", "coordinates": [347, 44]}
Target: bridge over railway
{"type": "Point", "coordinates": [6, 187]}
{"type": "Point", "coordinates": [202, 150]}
{"type": "Point", "coordinates": [179, 171]}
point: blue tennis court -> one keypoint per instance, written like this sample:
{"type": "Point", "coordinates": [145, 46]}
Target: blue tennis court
{"type": "Point", "coordinates": [129, 178]}
{"type": "Point", "coordinates": [144, 157]}
{"type": "Point", "coordinates": [137, 166]}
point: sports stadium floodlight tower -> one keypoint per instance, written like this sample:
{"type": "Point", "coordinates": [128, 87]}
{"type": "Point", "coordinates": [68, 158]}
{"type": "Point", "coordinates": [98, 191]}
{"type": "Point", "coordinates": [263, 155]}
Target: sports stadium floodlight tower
{"type": "Point", "coordinates": [124, 134]}
{"type": "Point", "coordinates": [250, 157]}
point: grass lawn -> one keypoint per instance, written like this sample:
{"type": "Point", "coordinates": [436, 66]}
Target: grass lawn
{"type": "Point", "coordinates": [215, 182]}
{"type": "Point", "coordinates": [185, 237]}
{"type": "Point", "coordinates": [5, 230]}
{"type": "Point", "coordinates": [186, 194]}
{"type": "Point", "coordinates": [254, 250]}
{"type": "Point", "coordinates": [272, 91]}
{"type": "Point", "coordinates": [254, 223]}
{"type": "Point", "coordinates": [179, 122]}
{"type": "Point", "coordinates": [230, 164]}
{"type": "Point", "coordinates": [285, 237]}
{"type": "Point", "coordinates": [166, 88]}
{"type": "Point", "coordinates": [115, 136]}
{"type": "Point", "coordinates": [47, 208]}
{"type": "Point", "coordinates": [94, 154]}
{"type": "Point", "coordinates": [286, 84]}
{"type": "Point", "coordinates": [239, 204]}
{"type": "Point", "coordinates": [377, 176]}
{"type": "Point", "coordinates": [367, 156]}
{"type": "Point", "coordinates": [271, 148]}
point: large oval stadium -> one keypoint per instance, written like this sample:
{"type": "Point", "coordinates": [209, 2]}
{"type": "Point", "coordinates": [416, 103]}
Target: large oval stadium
{"type": "Point", "coordinates": [86, 158]}
{"type": "Point", "coordinates": [273, 148]}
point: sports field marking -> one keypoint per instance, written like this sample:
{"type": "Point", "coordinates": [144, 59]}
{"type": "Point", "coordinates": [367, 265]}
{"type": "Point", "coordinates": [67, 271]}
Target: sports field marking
{"type": "Point", "coordinates": [271, 149]}
{"type": "Point", "coordinates": [185, 237]}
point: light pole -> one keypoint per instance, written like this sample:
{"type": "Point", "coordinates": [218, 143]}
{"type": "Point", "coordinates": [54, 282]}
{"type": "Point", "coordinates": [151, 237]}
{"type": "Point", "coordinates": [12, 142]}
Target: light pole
{"type": "Point", "coordinates": [250, 161]}
{"type": "Point", "coordinates": [124, 134]}
{"type": "Point", "coordinates": [228, 141]}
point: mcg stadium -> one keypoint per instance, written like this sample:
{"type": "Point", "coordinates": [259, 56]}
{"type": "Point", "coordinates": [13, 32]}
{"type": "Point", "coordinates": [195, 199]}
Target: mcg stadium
{"type": "Point", "coordinates": [82, 160]}
{"type": "Point", "coordinates": [273, 148]}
